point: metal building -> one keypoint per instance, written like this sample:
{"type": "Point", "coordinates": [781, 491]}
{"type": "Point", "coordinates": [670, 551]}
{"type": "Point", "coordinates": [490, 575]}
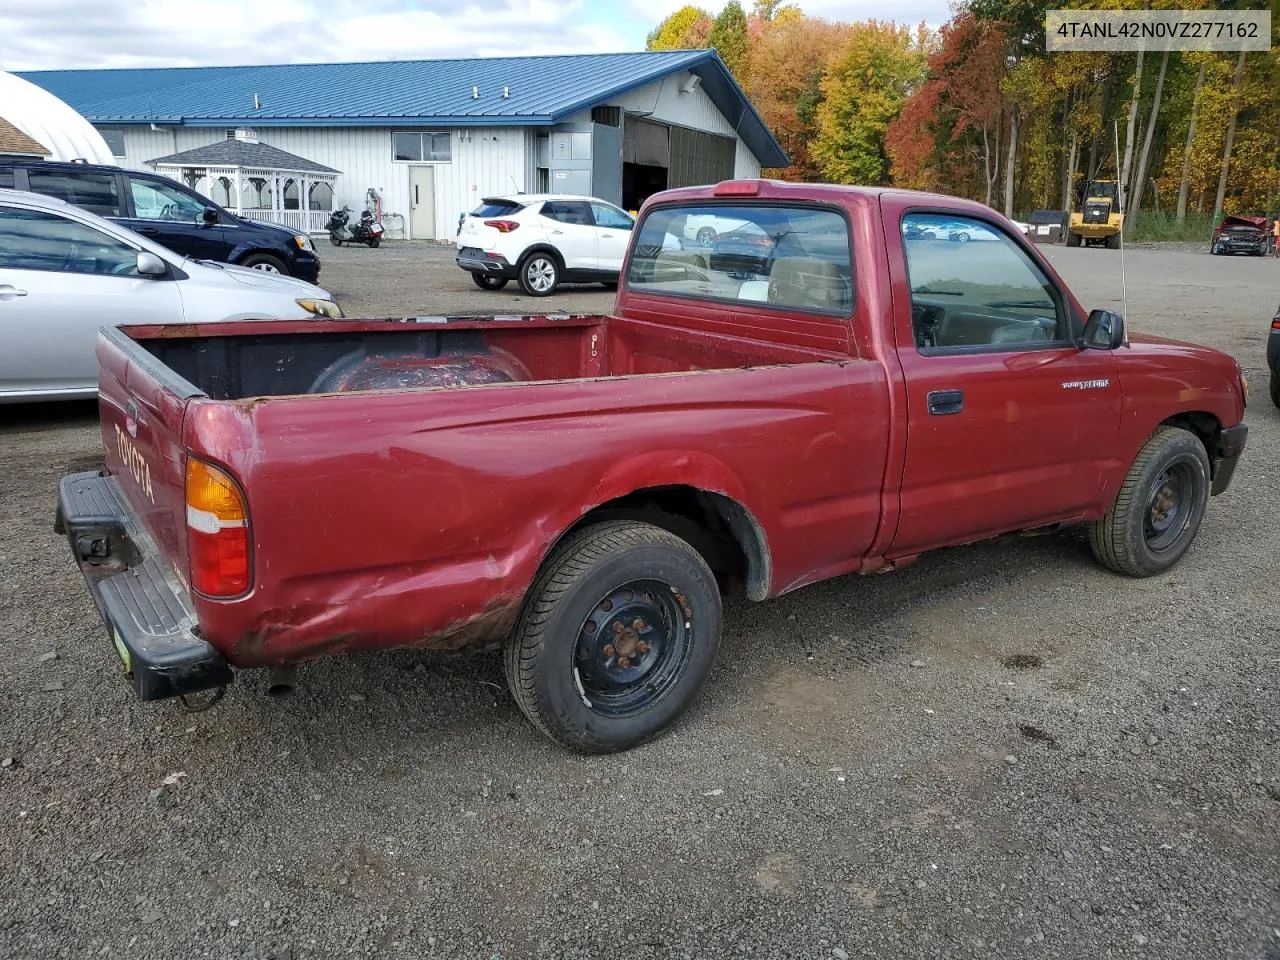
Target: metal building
{"type": "Point", "coordinates": [433, 137]}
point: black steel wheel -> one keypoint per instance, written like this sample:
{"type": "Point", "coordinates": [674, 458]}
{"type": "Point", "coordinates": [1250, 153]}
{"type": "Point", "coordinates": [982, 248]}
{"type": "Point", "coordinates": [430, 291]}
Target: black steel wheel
{"type": "Point", "coordinates": [487, 281]}
{"type": "Point", "coordinates": [1159, 508]}
{"type": "Point", "coordinates": [616, 637]}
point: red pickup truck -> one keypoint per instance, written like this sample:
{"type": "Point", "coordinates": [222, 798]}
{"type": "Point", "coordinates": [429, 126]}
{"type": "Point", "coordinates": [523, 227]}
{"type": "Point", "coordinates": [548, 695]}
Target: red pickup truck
{"type": "Point", "coordinates": [816, 389]}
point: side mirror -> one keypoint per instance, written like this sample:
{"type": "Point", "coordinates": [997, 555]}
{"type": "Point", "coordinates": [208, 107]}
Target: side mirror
{"type": "Point", "coordinates": [1104, 331]}
{"type": "Point", "coordinates": [210, 215]}
{"type": "Point", "coordinates": [149, 265]}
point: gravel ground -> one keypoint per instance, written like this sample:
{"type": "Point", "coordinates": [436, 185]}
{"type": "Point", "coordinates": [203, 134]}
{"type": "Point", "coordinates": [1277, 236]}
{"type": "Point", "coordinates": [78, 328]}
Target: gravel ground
{"type": "Point", "coordinates": [1003, 751]}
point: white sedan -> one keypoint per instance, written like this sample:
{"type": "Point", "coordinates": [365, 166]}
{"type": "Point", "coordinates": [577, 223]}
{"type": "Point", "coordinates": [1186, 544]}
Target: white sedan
{"type": "Point", "coordinates": [543, 240]}
{"type": "Point", "coordinates": [65, 273]}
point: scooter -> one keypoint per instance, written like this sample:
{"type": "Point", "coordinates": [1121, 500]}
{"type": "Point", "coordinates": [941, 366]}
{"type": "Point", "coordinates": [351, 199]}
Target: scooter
{"type": "Point", "coordinates": [368, 230]}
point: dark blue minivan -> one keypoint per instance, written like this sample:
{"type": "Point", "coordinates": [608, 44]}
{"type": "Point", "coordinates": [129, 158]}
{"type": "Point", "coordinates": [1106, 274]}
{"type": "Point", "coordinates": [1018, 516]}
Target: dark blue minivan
{"type": "Point", "coordinates": [169, 213]}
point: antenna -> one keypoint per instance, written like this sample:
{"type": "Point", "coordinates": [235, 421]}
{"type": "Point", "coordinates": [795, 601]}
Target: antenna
{"type": "Point", "coordinates": [1124, 289]}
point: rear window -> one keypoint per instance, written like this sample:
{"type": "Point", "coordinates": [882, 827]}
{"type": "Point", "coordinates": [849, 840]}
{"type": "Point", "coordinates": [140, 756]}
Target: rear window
{"type": "Point", "coordinates": [792, 257]}
{"type": "Point", "coordinates": [6, 179]}
{"type": "Point", "coordinates": [497, 208]}
{"type": "Point", "coordinates": [95, 192]}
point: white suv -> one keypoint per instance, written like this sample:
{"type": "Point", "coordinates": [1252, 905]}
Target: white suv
{"type": "Point", "coordinates": [543, 240]}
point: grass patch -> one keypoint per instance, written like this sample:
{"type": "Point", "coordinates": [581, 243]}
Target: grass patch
{"type": "Point", "coordinates": [1153, 227]}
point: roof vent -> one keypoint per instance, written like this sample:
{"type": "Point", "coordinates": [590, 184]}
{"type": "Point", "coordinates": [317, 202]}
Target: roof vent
{"type": "Point", "coordinates": [506, 92]}
{"type": "Point", "coordinates": [475, 93]}
{"type": "Point", "coordinates": [244, 134]}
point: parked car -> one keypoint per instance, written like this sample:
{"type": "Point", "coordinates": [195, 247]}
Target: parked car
{"type": "Point", "coordinates": [581, 489]}
{"type": "Point", "coordinates": [1251, 235]}
{"type": "Point", "coordinates": [542, 241]}
{"type": "Point", "coordinates": [169, 213]}
{"type": "Point", "coordinates": [65, 272]}
{"type": "Point", "coordinates": [1273, 357]}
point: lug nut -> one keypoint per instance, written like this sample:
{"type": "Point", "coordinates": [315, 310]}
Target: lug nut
{"type": "Point", "coordinates": [618, 628]}
{"type": "Point", "coordinates": [642, 647]}
{"type": "Point", "coordinates": [609, 651]}
{"type": "Point", "coordinates": [624, 662]}
{"type": "Point", "coordinates": [638, 624]}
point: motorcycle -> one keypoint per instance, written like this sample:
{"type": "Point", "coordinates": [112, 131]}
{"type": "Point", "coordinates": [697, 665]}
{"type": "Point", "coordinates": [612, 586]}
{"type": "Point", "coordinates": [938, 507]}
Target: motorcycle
{"type": "Point", "coordinates": [368, 230]}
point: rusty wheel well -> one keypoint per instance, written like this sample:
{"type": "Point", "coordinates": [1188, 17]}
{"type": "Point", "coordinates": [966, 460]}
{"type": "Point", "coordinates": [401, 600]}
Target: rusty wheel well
{"type": "Point", "coordinates": [719, 528]}
{"type": "Point", "coordinates": [1203, 425]}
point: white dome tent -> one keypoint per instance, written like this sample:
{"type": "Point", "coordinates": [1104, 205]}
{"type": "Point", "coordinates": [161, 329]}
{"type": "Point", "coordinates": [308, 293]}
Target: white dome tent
{"type": "Point", "coordinates": [50, 122]}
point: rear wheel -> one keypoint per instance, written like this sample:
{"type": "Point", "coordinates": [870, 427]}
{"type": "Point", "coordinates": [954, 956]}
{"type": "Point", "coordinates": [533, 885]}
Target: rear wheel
{"type": "Point", "coordinates": [539, 274]}
{"type": "Point", "coordinates": [486, 281]}
{"type": "Point", "coordinates": [265, 262]}
{"type": "Point", "coordinates": [1159, 508]}
{"type": "Point", "coordinates": [1073, 239]}
{"type": "Point", "coordinates": [1275, 388]}
{"type": "Point", "coordinates": [373, 244]}
{"type": "Point", "coordinates": [616, 637]}
{"type": "Point", "coordinates": [1113, 242]}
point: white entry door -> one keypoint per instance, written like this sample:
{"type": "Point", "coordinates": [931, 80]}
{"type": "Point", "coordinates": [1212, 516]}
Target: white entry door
{"type": "Point", "coordinates": [422, 203]}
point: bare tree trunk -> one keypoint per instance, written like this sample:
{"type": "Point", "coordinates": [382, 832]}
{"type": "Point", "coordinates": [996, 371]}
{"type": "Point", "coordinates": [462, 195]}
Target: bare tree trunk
{"type": "Point", "coordinates": [991, 159]}
{"type": "Point", "coordinates": [986, 164]}
{"type": "Point", "coordinates": [1184, 186]}
{"type": "Point", "coordinates": [1011, 162]}
{"type": "Point", "coordinates": [1067, 184]}
{"type": "Point", "coordinates": [1123, 173]}
{"type": "Point", "coordinates": [1231, 137]}
{"type": "Point", "coordinates": [1135, 203]}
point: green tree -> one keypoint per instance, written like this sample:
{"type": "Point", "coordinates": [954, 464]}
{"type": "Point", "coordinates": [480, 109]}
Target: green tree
{"type": "Point", "coordinates": [863, 91]}
{"type": "Point", "coordinates": [729, 37]}
{"type": "Point", "coordinates": [680, 31]}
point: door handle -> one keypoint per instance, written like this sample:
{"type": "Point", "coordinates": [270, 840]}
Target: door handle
{"type": "Point", "coordinates": [8, 291]}
{"type": "Point", "coordinates": [607, 235]}
{"type": "Point", "coordinates": [148, 230]}
{"type": "Point", "coordinates": [557, 232]}
{"type": "Point", "coordinates": [943, 403]}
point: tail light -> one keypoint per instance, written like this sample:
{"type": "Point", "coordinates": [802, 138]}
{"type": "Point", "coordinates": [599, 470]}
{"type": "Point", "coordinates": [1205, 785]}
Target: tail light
{"type": "Point", "coordinates": [503, 226]}
{"type": "Point", "coordinates": [217, 532]}
{"type": "Point", "coordinates": [1275, 324]}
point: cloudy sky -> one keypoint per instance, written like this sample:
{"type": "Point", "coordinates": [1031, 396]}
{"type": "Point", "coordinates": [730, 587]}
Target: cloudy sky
{"type": "Point", "coordinates": [62, 34]}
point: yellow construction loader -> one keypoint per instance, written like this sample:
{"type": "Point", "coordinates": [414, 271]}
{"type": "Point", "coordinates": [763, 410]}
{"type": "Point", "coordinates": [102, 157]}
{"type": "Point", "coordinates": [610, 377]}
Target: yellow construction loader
{"type": "Point", "coordinates": [1099, 219]}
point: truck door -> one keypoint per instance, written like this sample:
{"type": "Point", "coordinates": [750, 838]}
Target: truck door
{"type": "Point", "coordinates": [1008, 421]}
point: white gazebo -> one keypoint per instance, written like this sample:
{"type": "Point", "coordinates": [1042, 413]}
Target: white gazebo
{"type": "Point", "coordinates": [258, 181]}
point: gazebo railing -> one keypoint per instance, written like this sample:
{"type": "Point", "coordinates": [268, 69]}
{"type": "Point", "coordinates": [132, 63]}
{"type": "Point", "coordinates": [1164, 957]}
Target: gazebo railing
{"type": "Point", "coordinates": [305, 221]}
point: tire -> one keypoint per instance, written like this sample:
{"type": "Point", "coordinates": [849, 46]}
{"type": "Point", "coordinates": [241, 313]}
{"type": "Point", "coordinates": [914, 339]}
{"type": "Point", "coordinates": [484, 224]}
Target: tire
{"type": "Point", "coordinates": [586, 593]}
{"type": "Point", "coordinates": [486, 282]}
{"type": "Point", "coordinates": [1275, 388]}
{"type": "Point", "coordinates": [373, 244]}
{"type": "Point", "coordinates": [610, 285]}
{"type": "Point", "coordinates": [539, 274]}
{"type": "Point", "coordinates": [961, 238]}
{"type": "Point", "coordinates": [707, 236]}
{"type": "Point", "coordinates": [1131, 538]}
{"type": "Point", "coordinates": [1073, 239]}
{"type": "Point", "coordinates": [266, 263]}
{"type": "Point", "coordinates": [1113, 242]}
{"type": "Point", "coordinates": [335, 239]}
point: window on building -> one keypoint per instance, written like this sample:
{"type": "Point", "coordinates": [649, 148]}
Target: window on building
{"type": "Point", "coordinates": [115, 139]}
{"type": "Point", "coordinates": [420, 146]}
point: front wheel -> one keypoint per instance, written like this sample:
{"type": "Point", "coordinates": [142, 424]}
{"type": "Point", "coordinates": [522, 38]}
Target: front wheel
{"type": "Point", "coordinates": [539, 274]}
{"type": "Point", "coordinates": [335, 239]}
{"type": "Point", "coordinates": [1159, 508]}
{"type": "Point", "coordinates": [1073, 239]}
{"type": "Point", "coordinates": [265, 262]}
{"type": "Point", "coordinates": [616, 637]}
{"type": "Point", "coordinates": [487, 281]}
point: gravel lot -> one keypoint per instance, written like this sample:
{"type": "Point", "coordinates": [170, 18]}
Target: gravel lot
{"type": "Point", "coordinates": [1003, 751]}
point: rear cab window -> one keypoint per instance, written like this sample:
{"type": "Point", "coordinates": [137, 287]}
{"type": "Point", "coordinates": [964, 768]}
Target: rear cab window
{"type": "Point", "coordinates": [789, 256]}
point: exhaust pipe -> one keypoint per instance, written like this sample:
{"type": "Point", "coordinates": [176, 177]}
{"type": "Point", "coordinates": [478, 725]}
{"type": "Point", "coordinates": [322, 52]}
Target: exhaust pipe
{"type": "Point", "coordinates": [281, 681]}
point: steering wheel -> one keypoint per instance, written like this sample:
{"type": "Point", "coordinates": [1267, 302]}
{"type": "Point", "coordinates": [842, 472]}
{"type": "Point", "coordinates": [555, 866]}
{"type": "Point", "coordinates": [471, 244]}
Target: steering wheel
{"type": "Point", "coordinates": [170, 211]}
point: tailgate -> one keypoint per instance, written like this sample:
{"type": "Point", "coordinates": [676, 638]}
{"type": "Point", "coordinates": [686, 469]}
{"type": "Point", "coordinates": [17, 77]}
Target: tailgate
{"type": "Point", "coordinates": [141, 404]}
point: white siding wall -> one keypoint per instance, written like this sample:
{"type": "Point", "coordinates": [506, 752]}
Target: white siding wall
{"type": "Point", "coordinates": [486, 160]}
{"type": "Point", "coordinates": [663, 101]}
{"type": "Point", "coordinates": [745, 164]}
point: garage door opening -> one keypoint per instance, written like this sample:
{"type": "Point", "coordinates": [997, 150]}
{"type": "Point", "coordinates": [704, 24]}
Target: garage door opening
{"type": "Point", "coordinates": [658, 156]}
{"type": "Point", "coordinates": [641, 181]}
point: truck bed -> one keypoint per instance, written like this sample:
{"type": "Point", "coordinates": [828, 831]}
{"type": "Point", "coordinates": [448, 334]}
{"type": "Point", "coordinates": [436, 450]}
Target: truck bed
{"type": "Point", "coordinates": [268, 358]}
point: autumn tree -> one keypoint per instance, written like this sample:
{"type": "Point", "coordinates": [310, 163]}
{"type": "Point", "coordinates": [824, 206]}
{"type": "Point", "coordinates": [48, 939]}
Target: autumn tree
{"type": "Point", "coordinates": [728, 37]}
{"type": "Point", "coordinates": [864, 89]}
{"type": "Point", "coordinates": [686, 29]}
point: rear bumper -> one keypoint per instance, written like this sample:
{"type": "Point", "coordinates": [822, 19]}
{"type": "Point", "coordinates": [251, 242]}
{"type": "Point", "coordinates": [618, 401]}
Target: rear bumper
{"type": "Point", "coordinates": [477, 261]}
{"type": "Point", "coordinates": [147, 611]}
{"type": "Point", "coordinates": [1231, 444]}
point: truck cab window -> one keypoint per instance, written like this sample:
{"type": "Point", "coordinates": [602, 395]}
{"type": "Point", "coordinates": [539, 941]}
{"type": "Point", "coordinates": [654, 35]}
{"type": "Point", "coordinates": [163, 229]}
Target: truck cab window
{"type": "Point", "coordinates": [973, 287]}
{"type": "Point", "coordinates": [789, 257]}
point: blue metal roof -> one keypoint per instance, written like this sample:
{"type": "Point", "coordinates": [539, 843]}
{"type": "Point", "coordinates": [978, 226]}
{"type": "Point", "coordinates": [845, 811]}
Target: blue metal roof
{"type": "Point", "coordinates": [541, 91]}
